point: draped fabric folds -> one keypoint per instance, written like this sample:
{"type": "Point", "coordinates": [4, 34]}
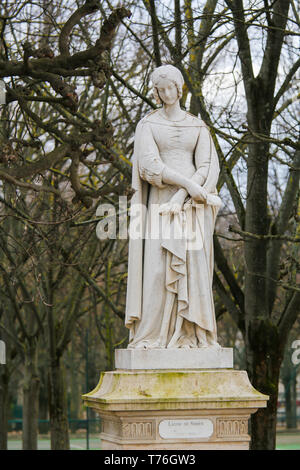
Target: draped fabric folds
{"type": "Point", "coordinates": [170, 266]}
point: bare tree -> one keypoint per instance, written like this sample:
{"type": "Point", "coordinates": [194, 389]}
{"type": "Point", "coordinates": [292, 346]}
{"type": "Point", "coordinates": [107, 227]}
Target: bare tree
{"type": "Point", "coordinates": [45, 77]}
{"type": "Point", "coordinates": [57, 142]}
{"type": "Point", "coordinates": [239, 63]}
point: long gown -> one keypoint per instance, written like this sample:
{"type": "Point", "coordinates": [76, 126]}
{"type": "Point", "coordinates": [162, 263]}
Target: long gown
{"type": "Point", "coordinates": [169, 298]}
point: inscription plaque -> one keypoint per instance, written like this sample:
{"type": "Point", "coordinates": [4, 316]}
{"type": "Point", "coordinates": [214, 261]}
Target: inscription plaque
{"type": "Point", "coordinates": [185, 428]}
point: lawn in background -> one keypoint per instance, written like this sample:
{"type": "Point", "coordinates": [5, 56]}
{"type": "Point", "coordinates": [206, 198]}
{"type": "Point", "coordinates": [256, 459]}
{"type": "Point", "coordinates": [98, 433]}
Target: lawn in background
{"type": "Point", "coordinates": [285, 441]}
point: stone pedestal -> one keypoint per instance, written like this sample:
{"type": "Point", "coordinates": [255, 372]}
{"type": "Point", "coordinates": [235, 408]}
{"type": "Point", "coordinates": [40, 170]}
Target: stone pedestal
{"type": "Point", "coordinates": [157, 359]}
{"type": "Point", "coordinates": [176, 407]}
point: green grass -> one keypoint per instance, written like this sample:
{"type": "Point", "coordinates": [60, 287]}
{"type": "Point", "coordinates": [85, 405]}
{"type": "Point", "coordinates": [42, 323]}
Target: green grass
{"type": "Point", "coordinates": [76, 443]}
{"type": "Point", "coordinates": [288, 440]}
{"type": "Point", "coordinates": [285, 441]}
{"type": "Point", "coordinates": [288, 447]}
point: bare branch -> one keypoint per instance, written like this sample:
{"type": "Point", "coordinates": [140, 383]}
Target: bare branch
{"type": "Point", "coordinates": [289, 315]}
{"type": "Point", "coordinates": [229, 303]}
{"type": "Point", "coordinates": [223, 266]}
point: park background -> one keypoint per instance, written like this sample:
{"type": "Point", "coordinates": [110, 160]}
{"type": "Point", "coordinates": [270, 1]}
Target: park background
{"type": "Point", "coordinates": [77, 81]}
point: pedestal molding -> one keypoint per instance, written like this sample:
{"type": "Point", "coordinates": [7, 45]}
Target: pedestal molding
{"type": "Point", "coordinates": [132, 404]}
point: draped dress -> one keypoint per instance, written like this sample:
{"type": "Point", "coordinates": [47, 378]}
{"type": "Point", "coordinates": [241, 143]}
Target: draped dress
{"type": "Point", "coordinates": [169, 291]}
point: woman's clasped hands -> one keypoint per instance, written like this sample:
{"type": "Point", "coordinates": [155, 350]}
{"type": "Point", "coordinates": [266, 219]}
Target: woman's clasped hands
{"type": "Point", "coordinates": [197, 192]}
{"type": "Point", "coordinates": [176, 203]}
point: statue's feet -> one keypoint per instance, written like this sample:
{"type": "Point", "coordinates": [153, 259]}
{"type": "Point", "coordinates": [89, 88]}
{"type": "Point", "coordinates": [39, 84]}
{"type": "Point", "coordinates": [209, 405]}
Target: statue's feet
{"type": "Point", "coordinates": [147, 345]}
{"type": "Point", "coordinates": [203, 344]}
{"type": "Point", "coordinates": [214, 345]}
{"type": "Point", "coordinates": [140, 345]}
{"type": "Point", "coordinates": [156, 345]}
{"type": "Point", "coordinates": [185, 342]}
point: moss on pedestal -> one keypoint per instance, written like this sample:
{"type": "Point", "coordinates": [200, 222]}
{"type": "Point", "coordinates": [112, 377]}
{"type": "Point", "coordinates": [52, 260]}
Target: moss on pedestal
{"type": "Point", "coordinates": [222, 388]}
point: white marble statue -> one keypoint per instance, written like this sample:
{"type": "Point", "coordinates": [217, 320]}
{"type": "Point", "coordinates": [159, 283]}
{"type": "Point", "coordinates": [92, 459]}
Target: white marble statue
{"type": "Point", "coordinates": [175, 167]}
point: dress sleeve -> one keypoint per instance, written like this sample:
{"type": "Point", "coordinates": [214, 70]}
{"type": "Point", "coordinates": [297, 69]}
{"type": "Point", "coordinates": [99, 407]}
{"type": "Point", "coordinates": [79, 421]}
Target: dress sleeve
{"type": "Point", "coordinates": [203, 155]}
{"type": "Point", "coordinates": [150, 164]}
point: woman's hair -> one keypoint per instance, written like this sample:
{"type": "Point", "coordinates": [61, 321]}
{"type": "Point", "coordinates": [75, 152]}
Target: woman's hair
{"type": "Point", "coordinates": [171, 73]}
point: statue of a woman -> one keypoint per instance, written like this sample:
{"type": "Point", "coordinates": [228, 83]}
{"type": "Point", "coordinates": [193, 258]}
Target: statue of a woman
{"type": "Point", "coordinates": [175, 166]}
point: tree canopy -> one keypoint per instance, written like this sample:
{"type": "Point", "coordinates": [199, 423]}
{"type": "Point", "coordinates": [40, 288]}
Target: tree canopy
{"type": "Point", "coordinates": [77, 80]}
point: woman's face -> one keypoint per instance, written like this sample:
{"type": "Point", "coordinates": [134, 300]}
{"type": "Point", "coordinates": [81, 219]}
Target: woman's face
{"type": "Point", "coordinates": [167, 91]}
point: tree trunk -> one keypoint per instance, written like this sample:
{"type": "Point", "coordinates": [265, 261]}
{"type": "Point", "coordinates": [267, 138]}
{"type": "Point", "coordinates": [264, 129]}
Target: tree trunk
{"type": "Point", "coordinates": [59, 428]}
{"type": "Point", "coordinates": [75, 394]}
{"type": "Point", "coordinates": [264, 369]}
{"type": "Point", "coordinates": [30, 401]}
{"type": "Point", "coordinates": [43, 404]}
{"type": "Point", "coordinates": [4, 380]}
{"type": "Point", "coordinates": [290, 396]}
{"type": "Point", "coordinates": [261, 335]}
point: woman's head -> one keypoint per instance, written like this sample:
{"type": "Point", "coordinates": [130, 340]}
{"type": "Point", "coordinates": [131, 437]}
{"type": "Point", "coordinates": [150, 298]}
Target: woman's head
{"type": "Point", "coordinates": [167, 83]}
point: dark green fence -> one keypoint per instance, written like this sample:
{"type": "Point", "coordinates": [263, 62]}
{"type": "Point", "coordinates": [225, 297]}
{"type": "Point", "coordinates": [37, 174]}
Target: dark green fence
{"type": "Point", "coordinates": [86, 425]}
